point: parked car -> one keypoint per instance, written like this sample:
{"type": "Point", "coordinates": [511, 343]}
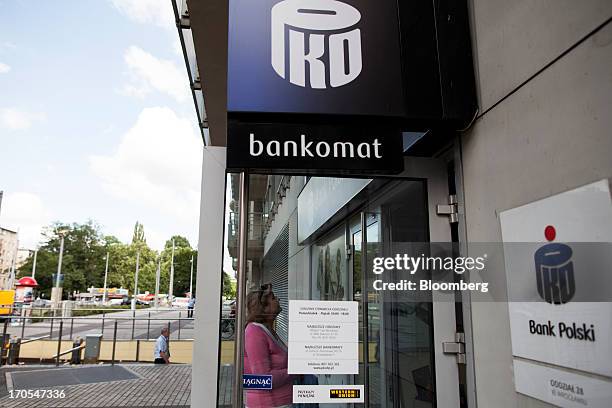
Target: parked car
{"type": "Point", "coordinates": [180, 302]}
{"type": "Point", "coordinates": [41, 303]}
{"type": "Point", "coordinates": [115, 302]}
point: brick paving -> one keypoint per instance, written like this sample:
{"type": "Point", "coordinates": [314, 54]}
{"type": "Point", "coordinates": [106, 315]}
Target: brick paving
{"type": "Point", "coordinates": [157, 386]}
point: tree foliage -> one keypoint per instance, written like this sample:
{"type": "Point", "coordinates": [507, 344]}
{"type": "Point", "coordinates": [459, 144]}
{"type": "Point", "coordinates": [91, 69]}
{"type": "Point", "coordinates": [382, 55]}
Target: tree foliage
{"type": "Point", "coordinates": [229, 286]}
{"type": "Point", "coordinates": [183, 255]}
{"type": "Point", "coordinates": [84, 259]}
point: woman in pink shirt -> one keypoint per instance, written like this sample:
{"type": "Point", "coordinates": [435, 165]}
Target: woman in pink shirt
{"type": "Point", "coordinates": [264, 351]}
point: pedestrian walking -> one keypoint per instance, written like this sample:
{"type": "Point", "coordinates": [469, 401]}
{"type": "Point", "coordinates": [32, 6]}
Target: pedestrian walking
{"type": "Point", "coordinates": [190, 306]}
{"type": "Point", "coordinates": [162, 348]}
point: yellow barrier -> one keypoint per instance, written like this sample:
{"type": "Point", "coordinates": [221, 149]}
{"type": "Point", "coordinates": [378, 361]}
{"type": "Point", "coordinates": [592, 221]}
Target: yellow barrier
{"type": "Point", "coordinates": [44, 350]}
{"type": "Point", "coordinates": [125, 350]}
{"type": "Point", "coordinates": [7, 299]}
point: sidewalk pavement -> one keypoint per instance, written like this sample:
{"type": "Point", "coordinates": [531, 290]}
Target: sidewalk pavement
{"type": "Point", "coordinates": [157, 386]}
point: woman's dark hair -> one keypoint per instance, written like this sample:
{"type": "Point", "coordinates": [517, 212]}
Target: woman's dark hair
{"type": "Point", "coordinates": [257, 300]}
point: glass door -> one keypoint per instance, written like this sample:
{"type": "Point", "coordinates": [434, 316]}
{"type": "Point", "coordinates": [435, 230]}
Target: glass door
{"type": "Point", "coordinates": [399, 360]}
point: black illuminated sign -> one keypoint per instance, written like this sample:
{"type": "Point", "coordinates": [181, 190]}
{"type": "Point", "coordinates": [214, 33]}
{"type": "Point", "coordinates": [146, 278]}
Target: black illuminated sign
{"type": "Point", "coordinates": [308, 149]}
{"type": "Point", "coordinates": [344, 393]}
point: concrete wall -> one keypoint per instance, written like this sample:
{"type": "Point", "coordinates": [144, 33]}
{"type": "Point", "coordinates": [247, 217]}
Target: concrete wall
{"type": "Point", "coordinates": [545, 87]}
{"type": "Point", "coordinates": [208, 286]}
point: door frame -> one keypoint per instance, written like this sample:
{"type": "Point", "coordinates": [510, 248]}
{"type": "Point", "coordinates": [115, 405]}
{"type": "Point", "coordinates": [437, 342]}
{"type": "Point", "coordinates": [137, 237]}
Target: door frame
{"type": "Point", "coordinates": [434, 172]}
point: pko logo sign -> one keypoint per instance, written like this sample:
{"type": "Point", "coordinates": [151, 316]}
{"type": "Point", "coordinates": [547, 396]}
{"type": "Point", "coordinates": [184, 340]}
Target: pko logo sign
{"type": "Point", "coordinates": [555, 270]}
{"type": "Point", "coordinates": [322, 34]}
{"type": "Point", "coordinates": [256, 382]}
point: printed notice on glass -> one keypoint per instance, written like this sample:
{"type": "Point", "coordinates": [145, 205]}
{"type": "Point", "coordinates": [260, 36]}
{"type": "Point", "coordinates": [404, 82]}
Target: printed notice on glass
{"type": "Point", "coordinates": [323, 337]}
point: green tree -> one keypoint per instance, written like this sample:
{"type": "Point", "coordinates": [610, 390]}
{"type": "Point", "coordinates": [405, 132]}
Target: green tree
{"type": "Point", "coordinates": [139, 235]}
{"type": "Point", "coordinates": [229, 287]}
{"type": "Point", "coordinates": [183, 255]}
{"type": "Point", "coordinates": [82, 262]}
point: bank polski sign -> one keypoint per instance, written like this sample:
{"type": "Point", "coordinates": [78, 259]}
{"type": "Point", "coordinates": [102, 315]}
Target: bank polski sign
{"type": "Point", "coordinates": [554, 266]}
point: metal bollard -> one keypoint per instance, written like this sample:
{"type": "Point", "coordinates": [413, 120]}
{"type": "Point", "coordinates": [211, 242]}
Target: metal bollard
{"type": "Point", "coordinates": [3, 341]}
{"type": "Point", "coordinates": [114, 343]}
{"type": "Point", "coordinates": [149, 326]}
{"type": "Point", "coordinates": [76, 354]}
{"type": "Point", "coordinates": [93, 344]}
{"type": "Point", "coordinates": [13, 352]}
{"type": "Point", "coordinates": [133, 323]}
{"type": "Point", "coordinates": [59, 343]}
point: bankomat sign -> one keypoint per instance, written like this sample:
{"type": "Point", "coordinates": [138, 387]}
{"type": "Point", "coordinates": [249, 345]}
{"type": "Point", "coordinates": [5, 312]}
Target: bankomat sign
{"type": "Point", "coordinates": [315, 86]}
{"type": "Point", "coordinates": [316, 28]}
{"type": "Point", "coordinates": [327, 57]}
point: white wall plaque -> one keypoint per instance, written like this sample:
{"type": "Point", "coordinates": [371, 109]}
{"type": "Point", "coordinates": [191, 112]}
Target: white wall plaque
{"type": "Point", "coordinates": [561, 388]}
{"type": "Point", "coordinates": [560, 270]}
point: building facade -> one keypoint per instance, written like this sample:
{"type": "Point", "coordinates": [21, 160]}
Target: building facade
{"type": "Point", "coordinates": [8, 251]}
{"type": "Point", "coordinates": [541, 135]}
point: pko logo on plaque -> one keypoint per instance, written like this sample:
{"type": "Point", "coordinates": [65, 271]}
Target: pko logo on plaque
{"type": "Point", "coordinates": [315, 56]}
{"type": "Point", "coordinates": [555, 270]}
{"type": "Point", "coordinates": [317, 28]}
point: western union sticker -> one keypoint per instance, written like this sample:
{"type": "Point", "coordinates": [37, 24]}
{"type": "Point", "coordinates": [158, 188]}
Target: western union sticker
{"type": "Point", "coordinates": [343, 393]}
{"type": "Point", "coordinates": [327, 394]}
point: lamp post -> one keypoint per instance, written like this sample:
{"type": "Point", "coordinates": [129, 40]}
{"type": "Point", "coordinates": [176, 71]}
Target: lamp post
{"type": "Point", "coordinates": [105, 295]}
{"type": "Point", "coordinates": [171, 288]}
{"type": "Point", "coordinates": [157, 276]}
{"type": "Point", "coordinates": [34, 263]}
{"type": "Point", "coordinates": [56, 292]}
{"type": "Point", "coordinates": [191, 279]}
{"type": "Point", "coordinates": [59, 262]}
{"type": "Point", "coordinates": [136, 280]}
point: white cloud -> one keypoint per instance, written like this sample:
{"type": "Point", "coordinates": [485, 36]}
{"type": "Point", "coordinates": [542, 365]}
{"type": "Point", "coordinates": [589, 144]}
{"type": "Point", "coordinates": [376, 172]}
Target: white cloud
{"type": "Point", "coordinates": [25, 213]}
{"type": "Point", "coordinates": [4, 68]}
{"type": "Point", "coordinates": [158, 12]}
{"type": "Point", "coordinates": [15, 119]}
{"type": "Point", "coordinates": [157, 166]}
{"type": "Point", "coordinates": [148, 72]}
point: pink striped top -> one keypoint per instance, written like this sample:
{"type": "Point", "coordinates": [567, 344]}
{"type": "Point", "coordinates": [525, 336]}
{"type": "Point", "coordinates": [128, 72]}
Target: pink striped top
{"type": "Point", "coordinates": [265, 354]}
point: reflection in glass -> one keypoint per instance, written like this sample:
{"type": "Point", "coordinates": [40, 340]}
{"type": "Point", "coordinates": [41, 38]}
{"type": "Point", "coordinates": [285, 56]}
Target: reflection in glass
{"type": "Point", "coordinates": [395, 337]}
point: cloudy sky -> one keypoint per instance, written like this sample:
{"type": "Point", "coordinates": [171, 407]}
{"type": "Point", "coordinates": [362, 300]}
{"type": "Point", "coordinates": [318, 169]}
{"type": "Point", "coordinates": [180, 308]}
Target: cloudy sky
{"type": "Point", "coordinates": [96, 119]}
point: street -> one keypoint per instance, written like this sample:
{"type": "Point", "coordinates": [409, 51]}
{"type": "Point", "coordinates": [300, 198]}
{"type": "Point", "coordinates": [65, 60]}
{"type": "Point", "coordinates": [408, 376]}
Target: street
{"type": "Point", "coordinates": [140, 324]}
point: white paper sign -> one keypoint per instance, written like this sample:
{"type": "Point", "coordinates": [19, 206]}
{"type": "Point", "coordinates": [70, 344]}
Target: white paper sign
{"type": "Point", "coordinates": [561, 388]}
{"type": "Point", "coordinates": [323, 337]}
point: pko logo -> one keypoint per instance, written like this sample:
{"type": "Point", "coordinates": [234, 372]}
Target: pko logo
{"type": "Point", "coordinates": [322, 34]}
{"type": "Point", "coordinates": [555, 270]}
